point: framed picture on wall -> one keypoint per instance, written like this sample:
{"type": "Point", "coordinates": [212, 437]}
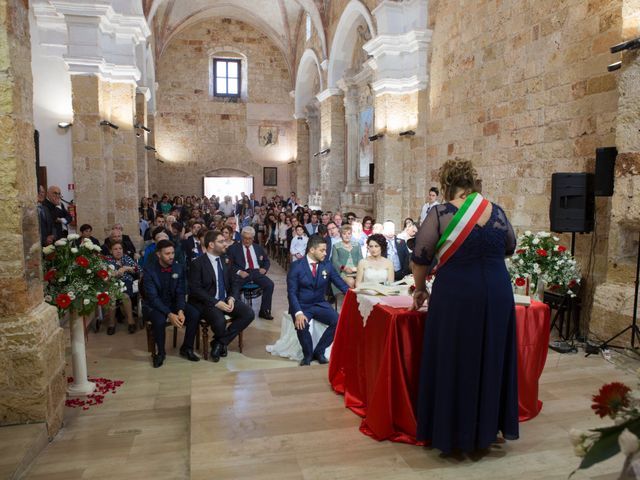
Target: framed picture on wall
{"type": "Point", "coordinates": [270, 176]}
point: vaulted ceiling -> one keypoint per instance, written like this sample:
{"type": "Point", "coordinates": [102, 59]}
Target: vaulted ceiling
{"type": "Point", "coordinates": [280, 20]}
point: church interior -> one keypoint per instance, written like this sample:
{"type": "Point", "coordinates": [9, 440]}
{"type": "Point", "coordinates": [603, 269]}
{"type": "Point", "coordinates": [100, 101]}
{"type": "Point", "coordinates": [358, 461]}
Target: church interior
{"type": "Point", "coordinates": [353, 105]}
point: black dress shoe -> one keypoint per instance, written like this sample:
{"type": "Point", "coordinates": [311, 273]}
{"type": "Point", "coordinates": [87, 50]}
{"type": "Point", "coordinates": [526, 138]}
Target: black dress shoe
{"type": "Point", "coordinates": [111, 330]}
{"type": "Point", "coordinates": [223, 351]}
{"type": "Point", "coordinates": [132, 328]}
{"type": "Point", "coordinates": [265, 314]}
{"type": "Point", "coordinates": [305, 362]}
{"type": "Point", "coordinates": [189, 355]}
{"type": "Point", "coordinates": [158, 360]}
{"type": "Point", "coordinates": [322, 360]}
{"type": "Point", "coordinates": [215, 352]}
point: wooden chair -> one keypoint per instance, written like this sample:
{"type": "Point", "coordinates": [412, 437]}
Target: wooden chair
{"type": "Point", "coordinates": [204, 332]}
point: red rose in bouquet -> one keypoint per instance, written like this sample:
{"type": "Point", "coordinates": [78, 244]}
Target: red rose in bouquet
{"type": "Point", "coordinates": [103, 274]}
{"type": "Point", "coordinates": [63, 300]}
{"type": "Point", "coordinates": [520, 282]}
{"type": "Point", "coordinates": [50, 275]}
{"type": "Point", "coordinates": [610, 399]}
{"type": "Point", "coordinates": [103, 298]}
{"type": "Point", "coordinates": [82, 261]}
{"type": "Point", "coordinates": [542, 252]}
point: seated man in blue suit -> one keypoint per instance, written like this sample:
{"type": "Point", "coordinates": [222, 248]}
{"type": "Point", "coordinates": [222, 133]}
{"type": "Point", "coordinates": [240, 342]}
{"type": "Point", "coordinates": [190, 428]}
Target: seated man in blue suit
{"type": "Point", "coordinates": [307, 282]}
{"type": "Point", "coordinates": [251, 264]}
{"type": "Point", "coordinates": [164, 302]}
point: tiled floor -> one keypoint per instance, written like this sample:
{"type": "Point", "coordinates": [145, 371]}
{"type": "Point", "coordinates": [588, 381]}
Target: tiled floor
{"type": "Point", "coordinates": [255, 416]}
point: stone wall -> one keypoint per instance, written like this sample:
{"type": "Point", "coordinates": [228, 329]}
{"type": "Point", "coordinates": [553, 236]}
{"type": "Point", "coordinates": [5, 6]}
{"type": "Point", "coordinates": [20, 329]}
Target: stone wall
{"type": "Point", "coordinates": [32, 382]}
{"type": "Point", "coordinates": [522, 89]}
{"type": "Point", "coordinates": [197, 133]}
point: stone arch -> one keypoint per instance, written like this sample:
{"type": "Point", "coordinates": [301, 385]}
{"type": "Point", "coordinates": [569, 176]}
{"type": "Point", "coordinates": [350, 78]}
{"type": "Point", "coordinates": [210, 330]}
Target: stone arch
{"type": "Point", "coordinates": [227, 172]}
{"type": "Point", "coordinates": [346, 32]}
{"type": "Point", "coordinates": [308, 68]}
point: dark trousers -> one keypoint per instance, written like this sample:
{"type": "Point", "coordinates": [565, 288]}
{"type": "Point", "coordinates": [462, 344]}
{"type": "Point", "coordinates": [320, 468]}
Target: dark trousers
{"type": "Point", "coordinates": [241, 316]}
{"type": "Point", "coordinates": [265, 283]}
{"type": "Point", "coordinates": [159, 324]}
{"type": "Point", "coordinates": [323, 313]}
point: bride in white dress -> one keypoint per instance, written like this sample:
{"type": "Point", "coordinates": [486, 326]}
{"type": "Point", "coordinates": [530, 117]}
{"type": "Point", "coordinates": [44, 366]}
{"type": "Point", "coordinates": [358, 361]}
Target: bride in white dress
{"type": "Point", "coordinates": [376, 268]}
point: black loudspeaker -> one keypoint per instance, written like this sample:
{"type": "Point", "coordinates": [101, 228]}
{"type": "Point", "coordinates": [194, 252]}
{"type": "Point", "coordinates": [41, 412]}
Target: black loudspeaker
{"type": "Point", "coordinates": [605, 163]}
{"type": "Point", "coordinates": [372, 168]}
{"type": "Point", "coordinates": [572, 202]}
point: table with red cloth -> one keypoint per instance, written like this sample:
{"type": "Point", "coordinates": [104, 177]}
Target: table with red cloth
{"type": "Point", "coordinates": [376, 367]}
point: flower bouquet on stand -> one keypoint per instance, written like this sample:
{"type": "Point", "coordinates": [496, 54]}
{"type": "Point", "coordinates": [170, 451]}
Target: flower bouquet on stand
{"type": "Point", "coordinates": [614, 400]}
{"type": "Point", "coordinates": [541, 262]}
{"type": "Point", "coordinates": [78, 280]}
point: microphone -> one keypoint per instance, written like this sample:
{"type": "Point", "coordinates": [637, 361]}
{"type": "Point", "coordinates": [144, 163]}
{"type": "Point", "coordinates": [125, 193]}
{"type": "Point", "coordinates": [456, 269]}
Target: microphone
{"type": "Point", "coordinates": [65, 201]}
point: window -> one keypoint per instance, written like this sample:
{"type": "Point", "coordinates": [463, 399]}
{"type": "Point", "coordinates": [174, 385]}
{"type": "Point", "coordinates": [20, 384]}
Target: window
{"type": "Point", "coordinates": [308, 27]}
{"type": "Point", "coordinates": [226, 77]}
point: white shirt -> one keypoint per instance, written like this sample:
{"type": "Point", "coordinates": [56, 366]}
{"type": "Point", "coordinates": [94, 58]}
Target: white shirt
{"type": "Point", "coordinates": [254, 258]}
{"type": "Point", "coordinates": [299, 245]}
{"type": "Point", "coordinates": [227, 208]}
{"type": "Point", "coordinates": [425, 209]}
{"type": "Point", "coordinates": [214, 263]}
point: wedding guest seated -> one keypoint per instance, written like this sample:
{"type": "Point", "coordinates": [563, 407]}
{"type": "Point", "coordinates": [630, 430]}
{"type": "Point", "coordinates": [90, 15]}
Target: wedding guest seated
{"type": "Point", "coordinates": [376, 268]}
{"type": "Point", "coordinates": [191, 244]}
{"type": "Point", "coordinates": [307, 281]}
{"type": "Point", "coordinates": [233, 223]}
{"type": "Point", "coordinates": [410, 230]}
{"type": "Point", "coordinates": [397, 251]}
{"type": "Point", "coordinates": [165, 302]}
{"type": "Point", "coordinates": [312, 226]}
{"type": "Point", "coordinates": [227, 234]}
{"type": "Point", "coordinates": [159, 234]}
{"type": "Point", "coordinates": [213, 293]}
{"type": "Point", "coordinates": [298, 243]}
{"type": "Point", "coordinates": [157, 222]}
{"type": "Point", "coordinates": [126, 270]}
{"type": "Point", "coordinates": [127, 243]}
{"type": "Point", "coordinates": [345, 257]}
{"type": "Point", "coordinates": [367, 225]}
{"type": "Point", "coordinates": [251, 264]}
{"type": "Point", "coordinates": [85, 232]}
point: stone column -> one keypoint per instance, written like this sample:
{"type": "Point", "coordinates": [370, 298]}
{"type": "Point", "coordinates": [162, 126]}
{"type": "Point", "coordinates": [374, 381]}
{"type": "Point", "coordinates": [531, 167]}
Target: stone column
{"type": "Point", "coordinates": [313, 123]}
{"type": "Point", "coordinates": [302, 171]}
{"type": "Point", "coordinates": [142, 140]}
{"type": "Point", "coordinates": [353, 136]}
{"type": "Point", "coordinates": [152, 163]}
{"type": "Point", "coordinates": [32, 382]}
{"type": "Point", "coordinates": [332, 136]}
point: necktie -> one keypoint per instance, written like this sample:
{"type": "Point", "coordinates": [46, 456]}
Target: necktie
{"type": "Point", "coordinates": [249, 259]}
{"type": "Point", "coordinates": [165, 270]}
{"type": "Point", "coordinates": [313, 269]}
{"type": "Point", "coordinates": [222, 293]}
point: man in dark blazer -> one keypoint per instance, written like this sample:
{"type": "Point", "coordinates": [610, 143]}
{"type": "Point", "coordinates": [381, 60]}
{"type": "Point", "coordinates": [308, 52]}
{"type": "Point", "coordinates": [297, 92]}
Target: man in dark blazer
{"type": "Point", "coordinates": [57, 216]}
{"type": "Point", "coordinates": [214, 295]}
{"type": "Point", "coordinates": [307, 282]}
{"type": "Point", "coordinates": [251, 264]}
{"type": "Point", "coordinates": [397, 251]}
{"type": "Point", "coordinates": [191, 245]}
{"type": "Point", "coordinates": [165, 303]}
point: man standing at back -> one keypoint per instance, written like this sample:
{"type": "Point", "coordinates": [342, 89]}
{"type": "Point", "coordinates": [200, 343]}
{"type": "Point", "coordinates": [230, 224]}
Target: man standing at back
{"type": "Point", "coordinates": [307, 282]}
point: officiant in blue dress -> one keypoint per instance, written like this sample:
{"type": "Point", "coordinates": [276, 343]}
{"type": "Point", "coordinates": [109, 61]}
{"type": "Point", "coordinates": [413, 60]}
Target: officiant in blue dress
{"type": "Point", "coordinates": [468, 391]}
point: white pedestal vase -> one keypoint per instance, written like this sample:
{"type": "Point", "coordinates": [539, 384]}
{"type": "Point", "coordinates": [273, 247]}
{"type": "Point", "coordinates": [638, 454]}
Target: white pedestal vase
{"type": "Point", "coordinates": [80, 385]}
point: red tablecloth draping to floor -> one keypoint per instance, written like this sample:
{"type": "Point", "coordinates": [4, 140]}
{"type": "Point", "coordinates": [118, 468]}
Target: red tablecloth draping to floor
{"type": "Point", "coordinates": [376, 366]}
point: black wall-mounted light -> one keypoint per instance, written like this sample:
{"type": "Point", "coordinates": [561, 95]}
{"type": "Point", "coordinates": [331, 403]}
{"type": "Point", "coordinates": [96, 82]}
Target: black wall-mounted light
{"type": "Point", "coordinates": [142, 127]}
{"type": "Point", "coordinates": [64, 125]}
{"type": "Point", "coordinates": [107, 123]}
{"type": "Point", "coordinates": [409, 133]}
{"type": "Point", "coordinates": [375, 137]}
{"type": "Point", "coordinates": [614, 66]}
{"type": "Point", "coordinates": [322, 152]}
{"type": "Point", "coordinates": [150, 148]}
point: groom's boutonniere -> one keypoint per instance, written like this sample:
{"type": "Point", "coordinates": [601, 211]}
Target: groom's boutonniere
{"type": "Point", "coordinates": [324, 274]}
{"type": "Point", "coordinates": [174, 276]}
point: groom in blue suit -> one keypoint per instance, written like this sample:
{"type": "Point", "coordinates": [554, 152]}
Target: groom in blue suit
{"type": "Point", "coordinates": [307, 282]}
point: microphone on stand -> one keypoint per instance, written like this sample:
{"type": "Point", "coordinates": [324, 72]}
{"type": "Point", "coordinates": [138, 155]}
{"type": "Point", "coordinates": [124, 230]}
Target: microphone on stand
{"type": "Point", "coordinates": [65, 201]}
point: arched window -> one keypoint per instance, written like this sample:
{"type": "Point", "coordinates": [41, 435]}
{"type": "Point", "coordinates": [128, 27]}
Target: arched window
{"type": "Point", "coordinates": [308, 28]}
{"type": "Point", "coordinates": [228, 74]}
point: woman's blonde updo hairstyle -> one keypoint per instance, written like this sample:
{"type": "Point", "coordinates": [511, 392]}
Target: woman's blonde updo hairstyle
{"type": "Point", "coordinates": [457, 174]}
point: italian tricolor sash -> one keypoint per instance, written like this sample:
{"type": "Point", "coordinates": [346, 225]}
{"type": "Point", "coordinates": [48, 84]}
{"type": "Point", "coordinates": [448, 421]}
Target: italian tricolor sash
{"type": "Point", "coordinates": [459, 228]}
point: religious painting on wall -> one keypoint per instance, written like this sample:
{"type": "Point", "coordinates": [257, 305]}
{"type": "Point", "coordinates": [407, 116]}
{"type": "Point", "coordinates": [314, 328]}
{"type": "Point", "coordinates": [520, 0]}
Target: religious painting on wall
{"type": "Point", "coordinates": [268, 136]}
{"type": "Point", "coordinates": [365, 147]}
{"type": "Point", "coordinates": [270, 176]}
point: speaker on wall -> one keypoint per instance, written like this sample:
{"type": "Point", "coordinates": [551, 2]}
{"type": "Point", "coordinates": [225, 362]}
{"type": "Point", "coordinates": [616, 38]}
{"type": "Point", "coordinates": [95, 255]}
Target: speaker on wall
{"type": "Point", "coordinates": [605, 164]}
{"type": "Point", "coordinates": [572, 206]}
{"type": "Point", "coordinates": [371, 173]}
